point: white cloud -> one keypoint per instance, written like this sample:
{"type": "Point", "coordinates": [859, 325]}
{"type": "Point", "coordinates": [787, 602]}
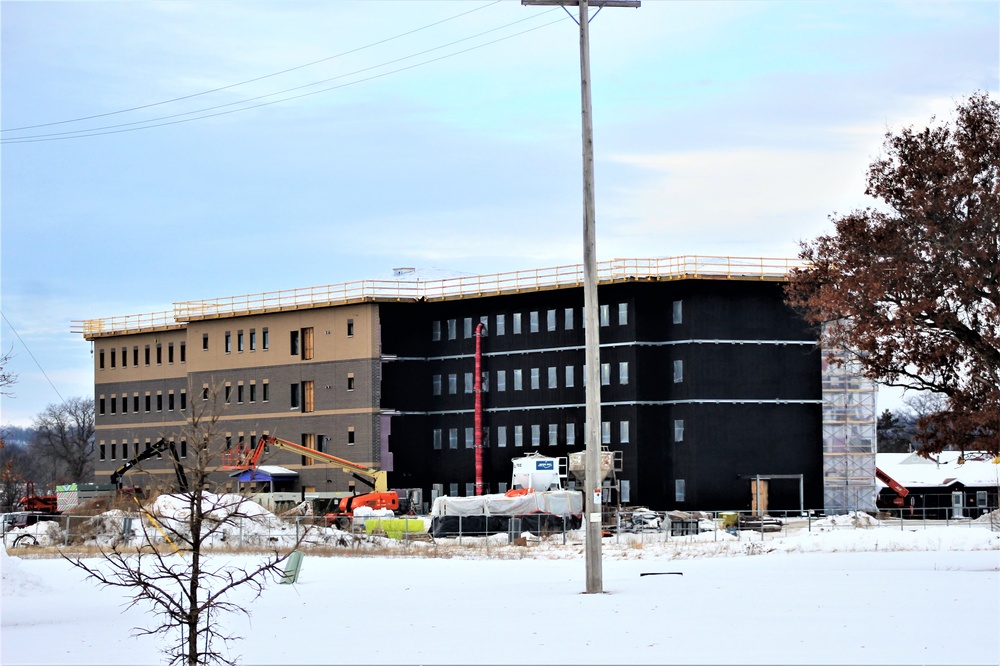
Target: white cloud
{"type": "Point", "coordinates": [763, 199]}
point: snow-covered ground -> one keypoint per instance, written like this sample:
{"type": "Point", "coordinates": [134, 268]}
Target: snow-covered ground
{"type": "Point", "coordinates": [833, 595]}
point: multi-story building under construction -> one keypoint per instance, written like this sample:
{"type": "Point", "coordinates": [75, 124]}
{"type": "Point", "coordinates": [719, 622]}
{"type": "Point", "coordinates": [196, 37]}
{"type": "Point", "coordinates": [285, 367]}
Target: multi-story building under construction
{"type": "Point", "coordinates": [710, 383]}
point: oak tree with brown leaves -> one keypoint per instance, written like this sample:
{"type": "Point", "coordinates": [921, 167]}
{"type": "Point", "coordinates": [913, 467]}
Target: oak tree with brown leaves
{"type": "Point", "coordinates": [912, 286]}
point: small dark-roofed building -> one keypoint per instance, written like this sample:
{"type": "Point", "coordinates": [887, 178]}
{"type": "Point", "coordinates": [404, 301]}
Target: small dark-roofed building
{"type": "Point", "coordinates": [951, 484]}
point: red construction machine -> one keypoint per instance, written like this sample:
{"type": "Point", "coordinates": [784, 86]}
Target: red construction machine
{"type": "Point", "coordinates": [379, 498]}
{"type": "Point", "coordinates": [900, 490]}
{"type": "Point", "coordinates": [38, 503]}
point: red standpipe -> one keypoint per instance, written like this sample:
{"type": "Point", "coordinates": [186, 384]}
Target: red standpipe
{"type": "Point", "coordinates": [477, 387]}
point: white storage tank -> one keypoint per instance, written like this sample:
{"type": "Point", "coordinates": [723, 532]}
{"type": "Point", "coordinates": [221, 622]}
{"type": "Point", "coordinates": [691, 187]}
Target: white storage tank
{"type": "Point", "coordinates": [538, 472]}
{"type": "Point", "coordinates": [611, 461]}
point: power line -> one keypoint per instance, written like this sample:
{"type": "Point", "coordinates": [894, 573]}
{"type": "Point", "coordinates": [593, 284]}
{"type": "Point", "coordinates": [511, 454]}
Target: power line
{"type": "Point", "coordinates": [253, 80]}
{"type": "Point", "coordinates": [152, 123]}
{"type": "Point", "coordinates": [61, 399]}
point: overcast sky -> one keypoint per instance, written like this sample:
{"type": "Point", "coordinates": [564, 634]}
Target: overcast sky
{"type": "Point", "coordinates": [430, 134]}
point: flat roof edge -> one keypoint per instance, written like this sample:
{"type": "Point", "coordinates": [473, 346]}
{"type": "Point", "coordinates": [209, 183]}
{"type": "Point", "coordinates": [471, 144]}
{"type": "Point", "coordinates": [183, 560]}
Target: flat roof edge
{"type": "Point", "coordinates": [688, 267]}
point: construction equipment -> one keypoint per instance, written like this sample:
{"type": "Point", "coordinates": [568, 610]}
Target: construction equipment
{"type": "Point", "coordinates": [38, 503]}
{"type": "Point", "coordinates": [35, 509]}
{"type": "Point", "coordinates": [380, 497]}
{"type": "Point", "coordinates": [156, 449]}
{"type": "Point", "coordinates": [900, 489]}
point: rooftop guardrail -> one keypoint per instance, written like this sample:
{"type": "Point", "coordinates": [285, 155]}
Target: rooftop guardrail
{"type": "Point", "coordinates": [614, 270]}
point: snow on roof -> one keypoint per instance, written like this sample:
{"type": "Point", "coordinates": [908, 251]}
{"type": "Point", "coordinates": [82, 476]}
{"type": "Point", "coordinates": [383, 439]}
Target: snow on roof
{"type": "Point", "coordinates": [277, 470]}
{"type": "Point", "coordinates": [914, 471]}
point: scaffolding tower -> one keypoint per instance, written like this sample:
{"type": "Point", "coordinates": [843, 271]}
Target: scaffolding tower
{"type": "Point", "coordinates": [849, 444]}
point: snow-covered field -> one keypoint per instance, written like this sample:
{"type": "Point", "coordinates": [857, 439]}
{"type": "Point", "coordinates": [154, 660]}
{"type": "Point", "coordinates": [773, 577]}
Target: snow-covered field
{"type": "Point", "coordinates": [832, 595]}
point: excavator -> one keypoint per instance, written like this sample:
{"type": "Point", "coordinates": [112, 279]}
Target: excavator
{"type": "Point", "coordinates": [156, 449]}
{"type": "Point", "coordinates": [379, 498]}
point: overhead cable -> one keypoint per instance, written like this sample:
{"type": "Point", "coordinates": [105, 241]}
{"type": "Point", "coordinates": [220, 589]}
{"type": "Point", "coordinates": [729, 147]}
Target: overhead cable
{"type": "Point", "coordinates": [153, 122]}
{"type": "Point", "coordinates": [253, 80]}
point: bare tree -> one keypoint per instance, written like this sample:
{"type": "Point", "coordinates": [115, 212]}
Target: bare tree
{"type": "Point", "coordinates": [10, 475]}
{"type": "Point", "coordinates": [184, 586]}
{"type": "Point", "coordinates": [926, 404]}
{"type": "Point", "coordinates": [7, 379]}
{"type": "Point", "coordinates": [15, 465]}
{"type": "Point", "coordinates": [66, 433]}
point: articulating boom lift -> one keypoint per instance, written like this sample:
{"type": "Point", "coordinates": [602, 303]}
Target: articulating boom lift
{"type": "Point", "coordinates": [380, 497]}
{"type": "Point", "coordinates": [155, 449]}
{"type": "Point", "coordinates": [900, 490]}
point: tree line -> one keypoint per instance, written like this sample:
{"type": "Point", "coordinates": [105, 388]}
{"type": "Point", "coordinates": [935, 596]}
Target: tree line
{"type": "Point", "coordinates": [897, 429]}
{"type": "Point", "coordinates": [57, 449]}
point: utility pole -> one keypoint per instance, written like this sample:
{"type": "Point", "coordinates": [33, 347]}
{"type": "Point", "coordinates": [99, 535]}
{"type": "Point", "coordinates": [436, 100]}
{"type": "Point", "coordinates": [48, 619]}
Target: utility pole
{"type": "Point", "coordinates": [592, 473]}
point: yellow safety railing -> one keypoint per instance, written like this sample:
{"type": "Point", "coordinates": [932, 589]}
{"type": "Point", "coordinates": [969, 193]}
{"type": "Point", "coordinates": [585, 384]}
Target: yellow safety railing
{"type": "Point", "coordinates": [660, 268]}
{"type": "Point", "coordinates": [125, 323]}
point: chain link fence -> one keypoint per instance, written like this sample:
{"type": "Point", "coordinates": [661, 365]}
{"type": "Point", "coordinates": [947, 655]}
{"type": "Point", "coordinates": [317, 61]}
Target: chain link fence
{"type": "Point", "coordinates": [623, 526]}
